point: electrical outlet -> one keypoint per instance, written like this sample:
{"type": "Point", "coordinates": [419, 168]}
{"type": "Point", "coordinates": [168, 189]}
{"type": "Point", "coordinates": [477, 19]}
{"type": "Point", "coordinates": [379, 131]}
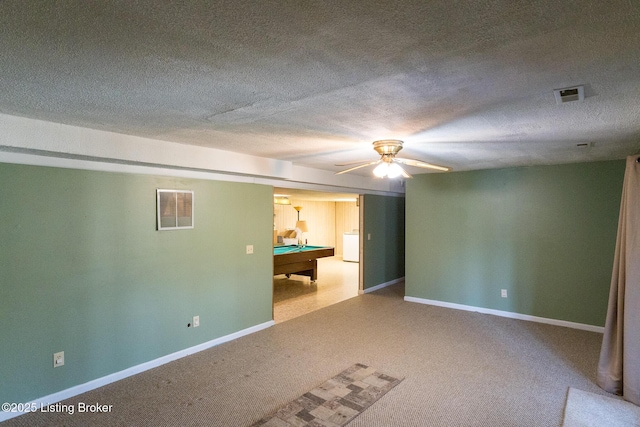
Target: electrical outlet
{"type": "Point", "coordinates": [249, 249]}
{"type": "Point", "coordinates": [503, 293]}
{"type": "Point", "coordinates": [58, 359]}
{"type": "Point", "coordinates": [196, 321]}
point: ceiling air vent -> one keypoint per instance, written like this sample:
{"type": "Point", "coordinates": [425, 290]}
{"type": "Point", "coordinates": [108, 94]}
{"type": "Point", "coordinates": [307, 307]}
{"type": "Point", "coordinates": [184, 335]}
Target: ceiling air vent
{"type": "Point", "coordinates": [569, 94]}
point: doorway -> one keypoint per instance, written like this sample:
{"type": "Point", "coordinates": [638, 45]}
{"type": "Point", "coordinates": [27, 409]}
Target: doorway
{"type": "Point", "coordinates": [332, 220]}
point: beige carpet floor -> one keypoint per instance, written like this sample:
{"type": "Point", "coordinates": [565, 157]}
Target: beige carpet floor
{"type": "Point", "coordinates": [459, 368]}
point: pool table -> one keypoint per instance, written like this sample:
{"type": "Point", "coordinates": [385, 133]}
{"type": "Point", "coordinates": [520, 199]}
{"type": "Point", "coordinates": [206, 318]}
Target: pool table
{"type": "Point", "coordinates": [301, 260]}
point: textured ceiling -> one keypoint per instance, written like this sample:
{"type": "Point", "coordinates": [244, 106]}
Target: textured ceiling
{"type": "Point", "coordinates": [466, 83]}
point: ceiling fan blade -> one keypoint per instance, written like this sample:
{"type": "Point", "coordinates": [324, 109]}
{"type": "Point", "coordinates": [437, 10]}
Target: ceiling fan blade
{"type": "Point", "coordinates": [405, 174]}
{"type": "Point", "coordinates": [421, 164]}
{"type": "Point", "coordinates": [396, 170]}
{"type": "Point", "coordinates": [358, 167]}
{"type": "Point", "coordinates": [352, 163]}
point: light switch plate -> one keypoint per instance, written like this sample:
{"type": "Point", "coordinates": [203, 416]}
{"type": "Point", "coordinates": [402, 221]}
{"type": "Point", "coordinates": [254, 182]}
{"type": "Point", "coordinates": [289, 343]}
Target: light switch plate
{"type": "Point", "coordinates": [58, 359]}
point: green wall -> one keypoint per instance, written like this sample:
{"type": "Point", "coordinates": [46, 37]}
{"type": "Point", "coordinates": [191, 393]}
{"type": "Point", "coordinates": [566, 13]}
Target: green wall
{"type": "Point", "coordinates": [384, 253]}
{"type": "Point", "coordinates": [546, 234]}
{"type": "Point", "coordinates": [84, 271]}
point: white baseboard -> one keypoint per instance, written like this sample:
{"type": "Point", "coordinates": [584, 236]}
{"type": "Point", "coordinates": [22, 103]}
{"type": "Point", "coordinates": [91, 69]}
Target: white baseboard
{"type": "Point", "coordinates": [381, 285]}
{"type": "Point", "coordinates": [508, 314]}
{"type": "Point", "coordinates": [99, 382]}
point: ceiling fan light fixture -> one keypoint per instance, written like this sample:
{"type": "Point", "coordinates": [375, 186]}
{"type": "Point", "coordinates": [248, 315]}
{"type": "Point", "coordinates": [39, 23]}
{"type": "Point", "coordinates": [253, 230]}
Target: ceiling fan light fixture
{"type": "Point", "coordinates": [395, 170]}
{"type": "Point", "coordinates": [387, 146]}
{"type": "Point", "coordinates": [389, 165]}
{"type": "Point", "coordinates": [381, 170]}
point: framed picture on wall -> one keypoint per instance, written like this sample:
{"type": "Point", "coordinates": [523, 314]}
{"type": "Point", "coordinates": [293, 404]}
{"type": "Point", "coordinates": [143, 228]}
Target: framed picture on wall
{"type": "Point", "coordinates": [175, 209]}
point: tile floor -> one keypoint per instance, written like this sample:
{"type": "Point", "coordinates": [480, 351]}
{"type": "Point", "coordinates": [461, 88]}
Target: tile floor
{"type": "Point", "coordinates": [293, 297]}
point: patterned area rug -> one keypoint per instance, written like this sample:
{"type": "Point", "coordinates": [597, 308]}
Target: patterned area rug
{"type": "Point", "coordinates": [336, 402]}
{"type": "Point", "coordinates": [584, 409]}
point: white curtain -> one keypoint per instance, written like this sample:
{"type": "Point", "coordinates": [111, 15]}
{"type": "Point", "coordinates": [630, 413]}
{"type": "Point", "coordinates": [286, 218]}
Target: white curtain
{"type": "Point", "coordinates": [619, 366]}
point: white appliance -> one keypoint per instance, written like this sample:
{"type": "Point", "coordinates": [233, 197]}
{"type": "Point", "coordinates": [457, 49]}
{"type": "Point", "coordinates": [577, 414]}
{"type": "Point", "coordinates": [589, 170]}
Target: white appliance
{"type": "Point", "coordinates": [351, 247]}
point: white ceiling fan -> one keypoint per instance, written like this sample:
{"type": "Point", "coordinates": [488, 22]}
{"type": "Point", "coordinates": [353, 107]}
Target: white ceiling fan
{"type": "Point", "coordinates": [389, 164]}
